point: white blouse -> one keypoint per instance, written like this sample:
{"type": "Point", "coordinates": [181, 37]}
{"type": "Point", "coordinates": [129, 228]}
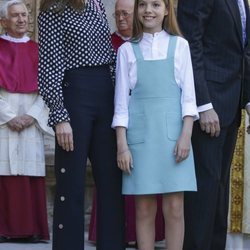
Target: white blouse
{"type": "Point", "coordinates": [153, 47]}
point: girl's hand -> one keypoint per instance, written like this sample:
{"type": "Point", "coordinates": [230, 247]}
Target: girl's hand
{"type": "Point", "coordinates": [182, 148]}
{"type": "Point", "coordinates": [124, 157]}
{"type": "Point", "coordinates": [64, 136]}
{"type": "Point", "coordinates": [124, 160]}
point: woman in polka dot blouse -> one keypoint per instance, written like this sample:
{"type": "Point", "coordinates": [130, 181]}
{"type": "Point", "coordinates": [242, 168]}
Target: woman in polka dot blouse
{"type": "Point", "coordinates": [75, 55]}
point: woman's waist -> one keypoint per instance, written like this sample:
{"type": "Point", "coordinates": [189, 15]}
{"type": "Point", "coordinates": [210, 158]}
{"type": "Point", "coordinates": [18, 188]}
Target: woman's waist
{"type": "Point", "coordinates": [91, 80]}
{"type": "Point", "coordinates": [88, 68]}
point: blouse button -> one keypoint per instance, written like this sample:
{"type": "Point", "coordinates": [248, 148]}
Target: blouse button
{"type": "Point", "coordinates": [60, 226]}
{"type": "Point", "coordinates": [62, 198]}
{"type": "Point", "coordinates": [63, 170]}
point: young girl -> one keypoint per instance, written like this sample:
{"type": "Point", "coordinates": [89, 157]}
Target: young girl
{"type": "Point", "coordinates": [155, 108]}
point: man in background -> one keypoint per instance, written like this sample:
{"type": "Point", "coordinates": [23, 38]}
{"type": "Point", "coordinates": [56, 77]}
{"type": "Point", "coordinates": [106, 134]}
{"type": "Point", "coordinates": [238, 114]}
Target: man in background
{"type": "Point", "coordinates": [124, 20]}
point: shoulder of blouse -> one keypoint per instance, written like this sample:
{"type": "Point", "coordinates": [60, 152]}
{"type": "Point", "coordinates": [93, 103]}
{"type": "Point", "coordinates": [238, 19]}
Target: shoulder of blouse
{"type": "Point", "coordinates": [125, 47]}
{"type": "Point", "coordinates": [101, 5]}
{"type": "Point", "coordinates": [53, 16]}
{"type": "Point", "coordinates": [182, 41]}
{"type": "Point", "coordinates": [52, 10]}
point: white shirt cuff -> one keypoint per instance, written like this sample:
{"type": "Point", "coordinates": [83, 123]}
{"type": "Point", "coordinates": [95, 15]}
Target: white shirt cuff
{"type": "Point", "coordinates": [119, 121]}
{"type": "Point", "coordinates": [205, 107]}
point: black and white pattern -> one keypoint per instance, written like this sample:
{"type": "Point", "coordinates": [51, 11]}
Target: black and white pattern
{"type": "Point", "coordinates": [69, 40]}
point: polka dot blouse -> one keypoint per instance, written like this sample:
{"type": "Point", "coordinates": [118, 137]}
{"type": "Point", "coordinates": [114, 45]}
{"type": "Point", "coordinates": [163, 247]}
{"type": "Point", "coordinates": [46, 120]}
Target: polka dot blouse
{"type": "Point", "coordinates": [69, 40]}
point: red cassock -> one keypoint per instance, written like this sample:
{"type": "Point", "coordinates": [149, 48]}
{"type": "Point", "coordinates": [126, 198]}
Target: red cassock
{"type": "Point", "coordinates": [130, 236]}
{"type": "Point", "coordinates": [23, 210]}
{"type": "Point", "coordinates": [18, 66]}
{"type": "Point", "coordinates": [117, 41]}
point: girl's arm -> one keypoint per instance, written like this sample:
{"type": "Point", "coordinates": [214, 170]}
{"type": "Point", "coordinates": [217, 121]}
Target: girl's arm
{"type": "Point", "coordinates": [124, 157]}
{"type": "Point", "coordinates": [182, 146]}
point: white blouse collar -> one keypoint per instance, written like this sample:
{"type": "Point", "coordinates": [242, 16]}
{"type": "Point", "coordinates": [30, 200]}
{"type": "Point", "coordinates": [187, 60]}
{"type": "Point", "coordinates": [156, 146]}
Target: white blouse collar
{"type": "Point", "coordinates": [156, 35]}
{"type": "Point", "coordinates": [24, 39]}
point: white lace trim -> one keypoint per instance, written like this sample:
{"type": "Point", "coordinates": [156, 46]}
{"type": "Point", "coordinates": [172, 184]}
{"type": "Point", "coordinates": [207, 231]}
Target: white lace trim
{"type": "Point", "coordinates": [24, 39]}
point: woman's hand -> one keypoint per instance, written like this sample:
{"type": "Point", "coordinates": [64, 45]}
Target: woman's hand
{"type": "Point", "coordinates": [64, 136]}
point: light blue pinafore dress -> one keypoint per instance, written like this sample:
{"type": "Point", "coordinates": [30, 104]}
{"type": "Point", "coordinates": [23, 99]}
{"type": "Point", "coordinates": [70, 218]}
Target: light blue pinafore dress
{"type": "Point", "coordinates": [155, 124]}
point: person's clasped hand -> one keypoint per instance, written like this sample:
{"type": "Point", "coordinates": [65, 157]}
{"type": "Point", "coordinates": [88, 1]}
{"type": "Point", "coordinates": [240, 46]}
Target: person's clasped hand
{"type": "Point", "coordinates": [19, 123]}
{"type": "Point", "coordinates": [15, 124]}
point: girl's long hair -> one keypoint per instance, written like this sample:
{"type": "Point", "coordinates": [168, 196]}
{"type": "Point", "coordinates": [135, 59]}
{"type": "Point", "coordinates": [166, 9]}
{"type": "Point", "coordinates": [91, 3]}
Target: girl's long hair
{"type": "Point", "coordinates": [169, 23]}
{"type": "Point", "coordinates": [61, 5]}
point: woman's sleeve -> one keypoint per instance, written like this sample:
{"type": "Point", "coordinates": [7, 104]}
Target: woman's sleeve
{"type": "Point", "coordinates": [52, 65]}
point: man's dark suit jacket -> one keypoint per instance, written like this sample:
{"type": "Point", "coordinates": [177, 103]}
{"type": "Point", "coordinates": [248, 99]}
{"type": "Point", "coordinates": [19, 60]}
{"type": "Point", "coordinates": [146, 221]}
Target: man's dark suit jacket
{"type": "Point", "coordinates": [221, 62]}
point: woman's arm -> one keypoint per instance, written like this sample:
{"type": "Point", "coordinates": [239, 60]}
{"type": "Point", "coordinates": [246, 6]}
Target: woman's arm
{"type": "Point", "coordinates": [52, 65]}
{"type": "Point", "coordinates": [51, 73]}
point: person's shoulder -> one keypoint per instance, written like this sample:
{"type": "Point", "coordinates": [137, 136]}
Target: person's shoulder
{"type": "Point", "coordinates": [182, 41]}
{"type": "Point", "coordinates": [125, 47]}
{"type": "Point", "coordinates": [52, 10]}
{"type": "Point", "coordinates": [33, 43]}
{"type": "Point", "coordinates": [114, 36]}
{"type": "Point", "coordinates": [3, 43]}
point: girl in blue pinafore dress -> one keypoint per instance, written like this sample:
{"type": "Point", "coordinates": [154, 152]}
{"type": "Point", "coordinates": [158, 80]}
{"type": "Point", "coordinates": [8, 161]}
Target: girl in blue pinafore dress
{"type": "Point", "coordinates": [155, 108]}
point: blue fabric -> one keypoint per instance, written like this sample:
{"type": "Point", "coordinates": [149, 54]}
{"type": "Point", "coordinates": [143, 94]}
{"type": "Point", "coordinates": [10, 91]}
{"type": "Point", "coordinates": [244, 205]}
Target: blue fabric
{"type": "Point", "coordinates": [155, 124]}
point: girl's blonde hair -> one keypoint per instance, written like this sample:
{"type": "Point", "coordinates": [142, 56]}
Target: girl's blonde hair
{"type": "Point", "coordinates": [169, 23]}
{"type": "Point", "coordinates": [78, 5]}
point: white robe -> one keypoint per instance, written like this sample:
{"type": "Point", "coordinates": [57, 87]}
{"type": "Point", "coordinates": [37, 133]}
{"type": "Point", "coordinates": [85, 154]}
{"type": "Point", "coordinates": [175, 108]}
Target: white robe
{"type": "Point", "coordinates": [22, 153]}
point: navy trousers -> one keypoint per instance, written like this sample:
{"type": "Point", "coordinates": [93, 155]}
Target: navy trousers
{"type": "Point", "coordinates": [88, 97]}
{"type": "Point", "coordinates": [206, 210]}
